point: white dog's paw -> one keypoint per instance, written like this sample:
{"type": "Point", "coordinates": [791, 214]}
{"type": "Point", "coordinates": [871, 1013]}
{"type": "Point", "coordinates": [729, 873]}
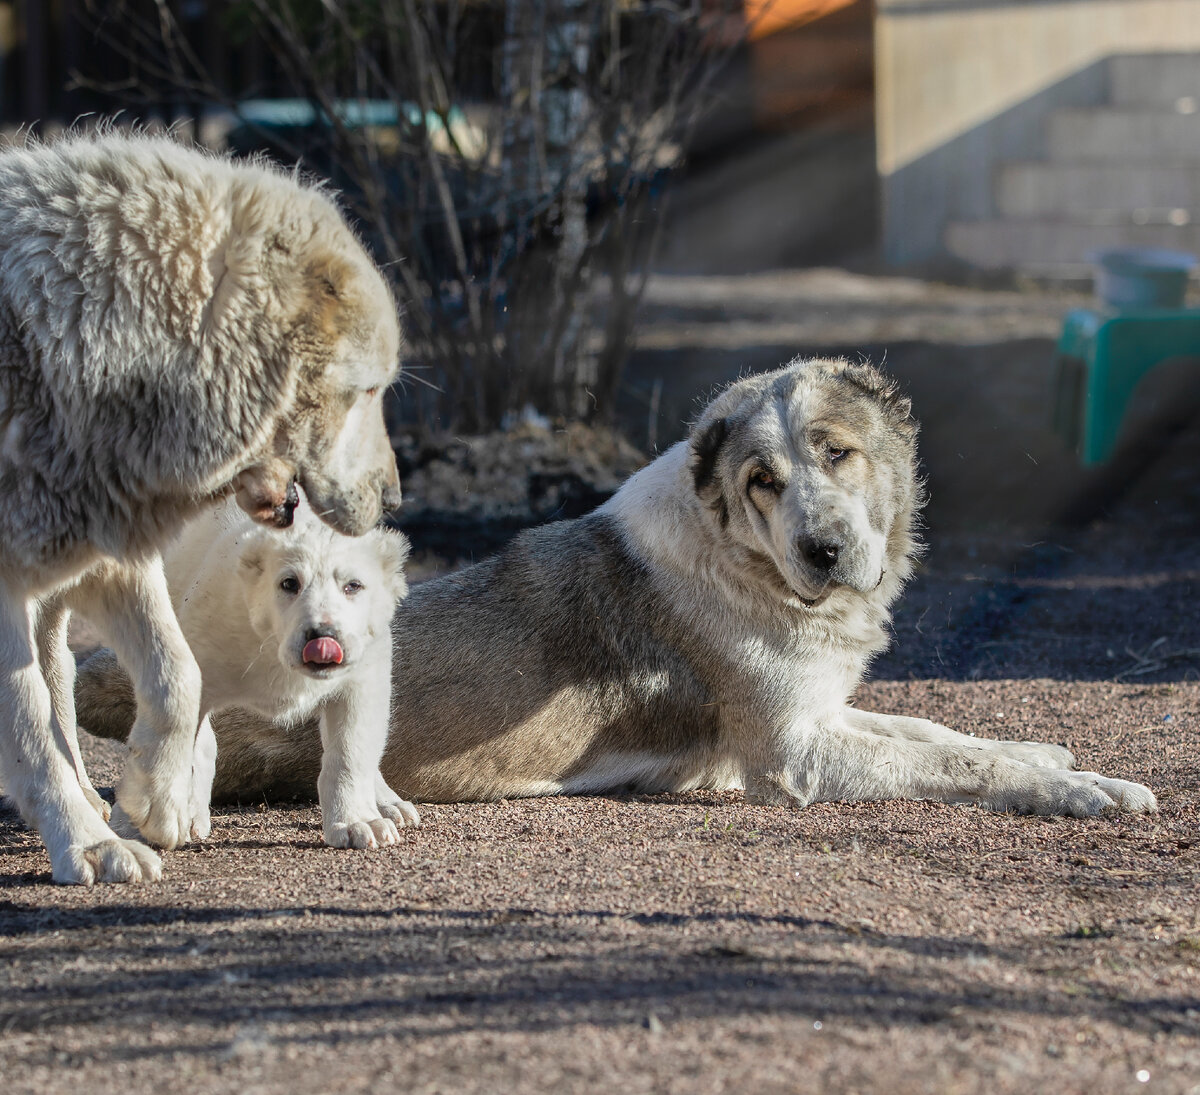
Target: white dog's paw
{"type": "Point", "coordinates": [367, 833]}
{"type": "Point", "coordinates": [157, 803]}
{"type": "Point", "coordinates": [402, 812]}
{"type": "Point", "coordinates": [1038, 754]}
{"type": "Point", "coordinates": [112, 860]}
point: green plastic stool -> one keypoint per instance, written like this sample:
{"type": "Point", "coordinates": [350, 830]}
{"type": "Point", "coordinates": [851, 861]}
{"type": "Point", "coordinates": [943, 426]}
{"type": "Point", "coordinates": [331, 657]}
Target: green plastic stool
{"type": "Point", "coordinates": [1101, 357]}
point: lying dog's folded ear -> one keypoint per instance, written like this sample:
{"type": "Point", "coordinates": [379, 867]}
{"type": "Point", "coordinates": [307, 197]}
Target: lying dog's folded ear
{"type": "Point", "coordinates": [393, 554]}
{"type": "Point", "coordinates": [897, 408]}
{"type": "Point", "coordinates": [705, 446]}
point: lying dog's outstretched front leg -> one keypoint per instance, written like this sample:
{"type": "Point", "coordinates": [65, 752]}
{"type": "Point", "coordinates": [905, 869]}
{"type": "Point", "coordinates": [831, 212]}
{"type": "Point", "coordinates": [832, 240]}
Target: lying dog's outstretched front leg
{"type": "Point", "coordinates": [838, 762]}
{"type": "Point", "coordinates": [1039, 754]}
{"type": "Point", "coordinates": [354, 725]}
{"type": "Point", "coordinates": [39, 772]}
{"type": "Point", "coordinates": [131, 605]}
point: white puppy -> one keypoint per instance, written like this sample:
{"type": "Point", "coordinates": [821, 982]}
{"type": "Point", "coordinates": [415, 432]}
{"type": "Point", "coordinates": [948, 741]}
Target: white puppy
{"type": "Point", "coordinates": [294, 624]}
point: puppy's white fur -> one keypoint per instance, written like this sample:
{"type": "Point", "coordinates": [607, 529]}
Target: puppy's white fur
{"type": "Point", "coordinates": [249, 600]}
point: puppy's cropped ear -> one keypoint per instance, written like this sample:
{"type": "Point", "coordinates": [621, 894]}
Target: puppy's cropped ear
{"type": "Point", "coordinates": [393, 554]}
{"type": "Point", "coordinates": [252, 557]}
{"type": "Point", "coordinates": [705, 446]}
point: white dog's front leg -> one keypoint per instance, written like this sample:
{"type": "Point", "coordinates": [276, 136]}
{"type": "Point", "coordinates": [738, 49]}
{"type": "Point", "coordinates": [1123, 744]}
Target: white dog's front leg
{"type": "Point", "coordinates": [132, 606]}
{"type": "Point", "coordinates": [354, 727]}
{"type": "Point", "coordinates": [842, 763]}
{"type": "Point", "coordinates": [1039, 754]}
{"type": "Point", "coordinates": [58, 669]}
{"type": "Point", "coordinates": [39, 772]}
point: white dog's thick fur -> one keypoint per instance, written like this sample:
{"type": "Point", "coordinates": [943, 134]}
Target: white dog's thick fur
{"type": "Point", "coordinates": [173, 326]}
{"type": "Point", "coordinates": [253, 603]}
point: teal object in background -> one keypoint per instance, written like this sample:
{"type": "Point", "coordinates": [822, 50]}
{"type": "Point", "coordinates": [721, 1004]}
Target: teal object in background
{"type": "Point", "coordinates": [1102, 355]}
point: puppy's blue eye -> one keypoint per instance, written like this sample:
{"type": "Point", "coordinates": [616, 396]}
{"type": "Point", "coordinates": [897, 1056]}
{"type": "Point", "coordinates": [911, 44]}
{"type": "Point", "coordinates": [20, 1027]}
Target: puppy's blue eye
{"type": "Point", "coordinates": [290, 584]}
{"type": "Point", "coordinates": [352, 587]}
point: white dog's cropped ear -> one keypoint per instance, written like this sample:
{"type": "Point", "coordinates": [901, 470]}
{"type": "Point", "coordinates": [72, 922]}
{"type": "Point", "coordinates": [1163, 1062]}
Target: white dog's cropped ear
{"type": "Point", "coordinates": [705, 446]}
{"type": "Point", "coordinates": [394, 549]}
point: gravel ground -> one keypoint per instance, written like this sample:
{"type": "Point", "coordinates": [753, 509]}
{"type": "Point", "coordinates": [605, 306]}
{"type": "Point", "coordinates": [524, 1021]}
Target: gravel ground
{"type": "Point", "coordinates": [691, 943]}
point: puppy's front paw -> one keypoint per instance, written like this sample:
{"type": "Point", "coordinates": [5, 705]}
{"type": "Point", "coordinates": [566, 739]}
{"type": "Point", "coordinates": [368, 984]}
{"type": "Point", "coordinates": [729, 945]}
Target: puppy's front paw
{"type": "Point", "coordinates": [402, 812]}
{"type": "Point", "coordinates": [367, 833]}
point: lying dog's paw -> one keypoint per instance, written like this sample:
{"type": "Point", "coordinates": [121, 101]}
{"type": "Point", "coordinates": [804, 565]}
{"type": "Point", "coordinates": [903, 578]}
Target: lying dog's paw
{"type": "Point", "coordinates": [1039, 754]}
{"type": "Point", "coordinates": [1123, 797]}
{"type": "Point", "coordinates": [1085, 794]}
{"type": "Point", "coordinates": [368, 833]}
{"type": "Point", "coordinates": [112, 860]}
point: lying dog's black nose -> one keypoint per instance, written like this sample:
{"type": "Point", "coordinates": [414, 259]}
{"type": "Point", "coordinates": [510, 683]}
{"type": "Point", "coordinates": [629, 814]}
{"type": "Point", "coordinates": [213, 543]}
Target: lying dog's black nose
{"type": "Point", "coordinates": [319, 633]}
{"type": "Point", "coordinates": [821, 556]}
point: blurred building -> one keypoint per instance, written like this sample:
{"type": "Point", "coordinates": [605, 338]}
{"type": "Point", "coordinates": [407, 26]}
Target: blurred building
{"type": "Point", "coordinates": [1024, 134]}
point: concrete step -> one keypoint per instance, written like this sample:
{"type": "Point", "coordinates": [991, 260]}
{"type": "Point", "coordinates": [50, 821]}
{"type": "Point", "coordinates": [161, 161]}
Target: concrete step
{"type": "Point", "coordinates": [1041, 245]}
{"type": "Point", "coordinates": [1118, 135]}
{"type": "Point", "coordinates": [1155, 79]}
{"type": "Point", "coordinates": [1098, 191]}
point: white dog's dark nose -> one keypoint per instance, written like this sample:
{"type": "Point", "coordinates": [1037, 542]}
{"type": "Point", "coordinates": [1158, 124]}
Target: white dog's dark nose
{"type": "Point", "coordinates": [820, 556]}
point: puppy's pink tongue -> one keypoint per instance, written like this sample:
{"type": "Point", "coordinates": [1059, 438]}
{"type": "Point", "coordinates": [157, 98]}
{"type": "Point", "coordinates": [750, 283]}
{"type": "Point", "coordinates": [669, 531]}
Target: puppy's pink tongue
{"type": "Point", "coordinates": [323, 651]}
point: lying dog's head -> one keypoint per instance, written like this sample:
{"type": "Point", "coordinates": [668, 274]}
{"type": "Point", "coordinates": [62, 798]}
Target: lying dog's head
{"type": "Point", "coordinates": [811, 471]}
{"type": "Point", "coordinates": [319, 597]}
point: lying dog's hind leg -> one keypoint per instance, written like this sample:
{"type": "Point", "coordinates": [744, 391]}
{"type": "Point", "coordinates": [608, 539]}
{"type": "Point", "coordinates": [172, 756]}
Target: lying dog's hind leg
{"type": "Point", "coordinates": [39, 773]}
{"type": "Point", "coordinates": [105, 703]}
{"type": "Point", "coordinates": [131, 605]}
{"type": "Point", "coordinates": [1039, 754]}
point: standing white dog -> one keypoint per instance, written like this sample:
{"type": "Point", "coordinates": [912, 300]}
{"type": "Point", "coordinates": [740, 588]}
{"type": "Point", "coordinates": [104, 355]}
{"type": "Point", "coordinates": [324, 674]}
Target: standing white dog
{"type": "Point", "coordinates": [173, 326]}
{"type": "Point", "coordinates": [296, 625]}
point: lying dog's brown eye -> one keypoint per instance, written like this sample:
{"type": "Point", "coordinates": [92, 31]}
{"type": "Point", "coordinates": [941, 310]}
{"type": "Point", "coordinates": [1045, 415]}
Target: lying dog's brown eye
{"type": "Point", "coordinates": [762, 478]}
{"type": "Point", "coordinates": [290, 584]}
{"type": "Point", "coordinates": [372, 392]}
{"type": "Point", "coordinates": [837, 454]}
{"type": "Point", "coordinates": [352, 587]}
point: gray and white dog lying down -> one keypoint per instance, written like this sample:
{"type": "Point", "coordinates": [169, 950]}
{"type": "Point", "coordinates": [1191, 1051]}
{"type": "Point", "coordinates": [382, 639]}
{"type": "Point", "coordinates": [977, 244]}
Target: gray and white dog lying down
{"type": "Point", "coordinates": [706, 627]}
